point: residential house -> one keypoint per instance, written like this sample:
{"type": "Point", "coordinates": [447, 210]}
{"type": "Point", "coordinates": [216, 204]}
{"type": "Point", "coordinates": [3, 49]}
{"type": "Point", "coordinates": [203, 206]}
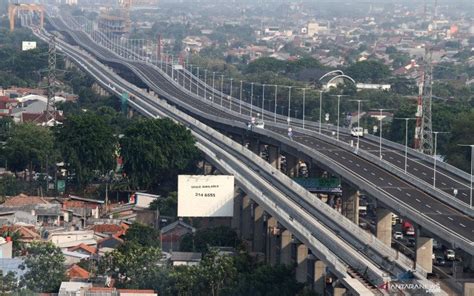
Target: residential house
{"type": "Point", "coordinates": [77, 273]}
{"type": "Point", "coordinates": [84, 249]}
{"type": "Point", "coordinates": [67, 239]}
{"type": "Point", "coordinates": [185, 258]}
{"type": "Point", "coordinates": [27, 233]}
{"type": "Point", "coordinates": [172, 234]}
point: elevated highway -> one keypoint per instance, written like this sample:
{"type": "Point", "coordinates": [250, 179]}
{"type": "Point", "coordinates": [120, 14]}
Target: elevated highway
{"type": "Point", "coordinates": [406, 194]}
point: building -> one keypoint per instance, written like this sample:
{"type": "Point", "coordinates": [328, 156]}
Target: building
{"type": "Point", "coordinates": [185, 258]}
{"type": "Point", "coordinates": [172, 234]}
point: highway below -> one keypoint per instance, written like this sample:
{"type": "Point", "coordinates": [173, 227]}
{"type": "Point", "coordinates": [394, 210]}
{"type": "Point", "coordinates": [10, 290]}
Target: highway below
{"type": "Point", "coordinates": [434, 215]}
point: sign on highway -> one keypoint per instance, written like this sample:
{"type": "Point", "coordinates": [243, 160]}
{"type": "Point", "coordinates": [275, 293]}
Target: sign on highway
{"type": "Point", "coordinates": [205, 196]}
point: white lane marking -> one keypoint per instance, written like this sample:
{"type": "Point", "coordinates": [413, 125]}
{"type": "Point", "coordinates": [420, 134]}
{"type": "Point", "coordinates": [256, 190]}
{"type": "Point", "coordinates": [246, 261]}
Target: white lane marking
{"type": "Point", "coordinates": [415, 169]}
{"type": "Point", "coordinates": [424, 174]}
{"type": "Point", "coordinates": [399, 189]}
{"type": "Point", "coordinates": [464, 194]}
{"type": "Point", "coordinates": [462, 225]}
{"type": "Point", "coordinates": [372, 173]}
{"type": "Point", "coordinates": [390, 157]}
{"type": "Point", "coordinates": [381, 179]}
{"type": "Point", "coordinates": [443, 183]}
{"type": "Point", "coordinates": [437, 211]}
{"type": "Point", "coordinates": [418, 200]}
{"type": "Point", "coordinates": [450, 218]}
{"type": "Point", "coordinates": [336, 153]}
{"type": "Point", "coordinates": [350, 161]}
{"type": "Point", "coordinates": [358, 165]}
{"type": "Point", "coordinates": [343, 157]}
{"type": "Point", "coordinates": [428, 206]}
{"type": "Point", "coordinates": [390, 184]}
{"type": "Point", "coordinates": [399, 161]}
{"type": "Point", "coordinates": [408, 194]}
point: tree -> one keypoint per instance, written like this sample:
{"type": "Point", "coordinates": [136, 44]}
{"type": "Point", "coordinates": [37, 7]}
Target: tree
{"type": "Point", "coordinates": [155, 151]}
{"type": "Point", "coordinates": [88, 146]}
{"type": "Point", "coordinates": [142, 234]}
{"type": "Point", "coordinates": [200, 241]}
{"type": "Point", "coordinates": [368, 71]}
{"type": "Point", "coordinates": [44, 265]}
{"type": "Point", "coordinates": [132, 265]}
{"type": "Point", "coordinates": [8, 283]}
{"type": "Point", "coordinates": [462, 133]}
{"type": "Point", "coordinates": [167, 206]}
{"type": "Point", "coordinates": [29, 146]}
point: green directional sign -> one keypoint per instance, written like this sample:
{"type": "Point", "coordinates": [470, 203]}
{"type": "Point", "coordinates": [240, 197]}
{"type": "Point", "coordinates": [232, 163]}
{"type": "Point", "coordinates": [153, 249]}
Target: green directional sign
{"type": "Point", "coordinates": [320, 185]}
{"type": "Point", "coordinates": [61, 186]}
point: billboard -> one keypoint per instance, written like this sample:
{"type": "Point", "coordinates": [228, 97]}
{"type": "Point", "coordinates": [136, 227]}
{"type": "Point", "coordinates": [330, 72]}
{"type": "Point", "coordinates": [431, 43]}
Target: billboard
{"type": "Point", "coordinates": [205, 196]}
{"type": "Point", "coordinates": [27, 45]}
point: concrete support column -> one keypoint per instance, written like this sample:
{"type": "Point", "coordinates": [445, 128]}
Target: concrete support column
{"type": "Point", "coordinates": [291, 166]}
{"type": "Point", "coordinates": [246, 218]}
{"type": "Point", "coordinates": [424, 253]}
{"type": "Point", "coordinates": [274, 156]}
{"type": "Point", "coordinates": [258, 232]}
{"type": "Point", "coordinates": [302, 263]}
{"type": "Point", "coordinates": [319, 280]}
{"type": "Point", "coordinates": [350, 203]}
{"type": "Point", "coordinates": [339, 291]}
{"type": "Point", "coordinates": [384, 226]}
{"type": "Point", "coordinates": [271, 243]}
{"type": "Point", "coordinates": [237, 216]}
{"type": "Point", "coordinates": [254, 146]}
{"type": "Point", "coordinates": [468, 289]}
{"type": "Point", "coordinates": [285, 248]}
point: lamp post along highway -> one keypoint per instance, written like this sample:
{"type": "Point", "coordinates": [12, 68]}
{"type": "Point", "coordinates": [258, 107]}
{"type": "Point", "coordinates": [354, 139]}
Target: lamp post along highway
{"type": "Point", "coordinates": [263, 99]}
{"type": "Point", "coordinates": [304, 101]}
{"type": "Point", "coordinates": [288, 119]}
{"type": "Point", "coordinates": [275, 109]}
{"type": "Point", "coordinates": [320, 109]}
{"type": "Point", "coordinates": [191, 78]}
{"type": "Point", "coordinates": [358, 120]}
{"type": "Point", "coordinates": [205, 84]}
{"type": "Point", "coordinates": [338, 113]}
{"type": "Point", "coordinates": [472, 171]}
{"type": "Point", "coordinates": [197, 82]}
{"type": "Point", "coordinates": [406, 139]}
{"type": "Point", "coordinates": [434, 155]}
{"type": "Point", "coordinates": [251, 99]}
{"type": "Point", "coordinates": [230, 93]}
{"type": "Point", "coordinates": [222, 89]}
{"type": "Point", "coordinates": [213, 86]}
{"type": "Point", "coordinates": [380, 129]}
{"type": "Point", "coordinates": [240, 100]}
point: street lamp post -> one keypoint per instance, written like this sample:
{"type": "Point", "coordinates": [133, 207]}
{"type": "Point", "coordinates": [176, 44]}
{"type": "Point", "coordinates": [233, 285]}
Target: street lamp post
{"type": "Point", "coordinates": [251, 99]}
{"type": "Point", "coordinates": [230, 99]}
{"type": "Point", "coordinates": [275, 110]}
{"type": "Point", "coordinates": [263, 99]}
{"type": "Point", "coordinates": [358, 120]}
{"type": "Point", "coordinates": [222, 89]}
{"type": "Point", "coordinates": [304, 101]}
{"type": "Point", "coordinates": [380, 129]}
{"type": "Point", "coordinates": [191, 78]}
{"type": "Point", "coordinates": [240, 99]}
{"type": "Point", "coordinates": [338, 111]}
{"type": "Point", "coordinates": [213, 86]}
{"type": "Point", "coordinates": [205, 84]}
{"type": "Point", "coordinates": [472, 170]}
{"type": "Point", "coordinates": [289, 105]}
{"type": "Point", "coordinates": [320, 109]}
{"type": "Point", "coordinates": [406, 139]}
{"type": "Point", "coordinates": [434, 155]}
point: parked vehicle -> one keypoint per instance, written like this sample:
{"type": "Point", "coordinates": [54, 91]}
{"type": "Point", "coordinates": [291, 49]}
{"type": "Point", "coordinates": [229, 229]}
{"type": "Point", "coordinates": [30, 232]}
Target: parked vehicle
{"type": "Point", "coordinates": [411, 242]}
{"type": "Point", "coordinates": [394, 219]}
{"type": "Point", "coordinates": [439, 260]}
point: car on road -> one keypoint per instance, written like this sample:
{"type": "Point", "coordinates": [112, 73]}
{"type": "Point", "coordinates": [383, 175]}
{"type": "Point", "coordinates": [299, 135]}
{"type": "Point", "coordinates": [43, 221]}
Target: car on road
{"type": "Point", "coordinates": [439, 260]}
{"type": "Point", "coordinates": [450, 255]}
{"type": "Point", "coordinates": [398, 235]}
{"type": "Point", "coordinates": [411, 242]}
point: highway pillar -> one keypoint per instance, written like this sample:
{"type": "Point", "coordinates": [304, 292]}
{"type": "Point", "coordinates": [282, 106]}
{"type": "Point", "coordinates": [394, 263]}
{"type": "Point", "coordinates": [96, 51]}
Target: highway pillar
{"type": "Point", "coordinates": [424, 253]}
{"type": "Point", "coordinates": [302, 263]}
{"type": "Point", "coordinates": [246, 218]}
{"type": "Point", "coordinates": [254, 146]}
{"type": "Point", "coordinates": [274, 156]}
{"type": "Point", "coordinates": [237, 216]}
{"type": "Point", "coordinates": [291, 166]}
{"type": "Point", "coordinates": [384, 226]}
{"type": "Point", "coordinates": [285, 248]}
{"type": "Point", "coordinates": [350, 203]}
{"type": "Point", "coordinates": [339, 291]}
{"type": "Point", "coordinates": [319, 280]}
{"type": "Point", "coordinates": [271, 243]}
{"type": "Point", "coordinates": [468, 289]}
{"type": "Point", "coordinates": [258, 232]}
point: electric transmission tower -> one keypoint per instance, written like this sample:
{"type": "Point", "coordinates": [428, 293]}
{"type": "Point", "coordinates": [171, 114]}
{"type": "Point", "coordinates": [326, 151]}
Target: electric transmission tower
{"type": "Point", "coordinates": [427, 96]}
{"type": "Point", "coordinates": [50, 108]}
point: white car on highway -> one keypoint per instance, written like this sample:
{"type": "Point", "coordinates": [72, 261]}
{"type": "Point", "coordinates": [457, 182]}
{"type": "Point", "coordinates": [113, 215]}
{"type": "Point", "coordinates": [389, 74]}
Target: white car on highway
{"type": "Point", "coordinates": [398, 235]}
{"type": "Point", "coordinates": [357, 132]}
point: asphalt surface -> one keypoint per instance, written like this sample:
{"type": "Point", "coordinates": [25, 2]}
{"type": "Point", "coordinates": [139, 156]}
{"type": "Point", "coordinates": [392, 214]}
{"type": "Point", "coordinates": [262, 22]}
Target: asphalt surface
{"type": "Point", "coordinates": [404, 192]}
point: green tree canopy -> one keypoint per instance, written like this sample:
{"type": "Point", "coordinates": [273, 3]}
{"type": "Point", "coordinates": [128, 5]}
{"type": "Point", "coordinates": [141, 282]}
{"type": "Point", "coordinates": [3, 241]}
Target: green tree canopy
{"type": "Point", "coordinates": [155, 151]}
{"type": "Point", "coordinates": [368, 71]}
{"type": "Point", "coordinates": [462, 133]}
{"type": "Point", "coordinates": [44, 266]}
{"type": "Point", "coordinates": [88, 146]}
{"type": "Point", "coordinates": [144, 235]}
{"type": "Point", "coordinates": [29, 146]}
{"type": "Point", "coordinates": [200, 241]}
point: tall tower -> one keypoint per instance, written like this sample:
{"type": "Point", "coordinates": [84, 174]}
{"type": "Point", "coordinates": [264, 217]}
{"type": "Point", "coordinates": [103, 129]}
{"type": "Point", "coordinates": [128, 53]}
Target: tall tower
{"type": "Point", "coordinates": [50, 110]}
{"type": "Point", "coordinates": [426, 125]}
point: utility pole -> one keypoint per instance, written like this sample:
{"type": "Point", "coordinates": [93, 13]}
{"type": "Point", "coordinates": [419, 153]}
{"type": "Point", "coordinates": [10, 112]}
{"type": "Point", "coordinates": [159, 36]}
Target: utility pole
{"type": "Point", "coordinates": [50, 111]}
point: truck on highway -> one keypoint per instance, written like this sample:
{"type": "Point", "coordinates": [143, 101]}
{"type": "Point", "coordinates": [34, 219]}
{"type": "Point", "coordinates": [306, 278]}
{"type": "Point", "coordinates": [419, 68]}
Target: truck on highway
{"type": "Point", "coordinates": [408, 228]}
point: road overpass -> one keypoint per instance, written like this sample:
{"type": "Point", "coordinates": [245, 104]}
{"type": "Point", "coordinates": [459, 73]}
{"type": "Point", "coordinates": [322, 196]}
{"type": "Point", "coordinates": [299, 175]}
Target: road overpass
{"type": "Point", "coordinates": [328, 154]}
